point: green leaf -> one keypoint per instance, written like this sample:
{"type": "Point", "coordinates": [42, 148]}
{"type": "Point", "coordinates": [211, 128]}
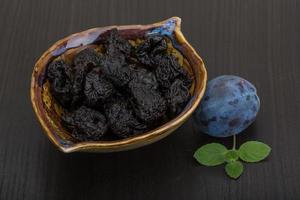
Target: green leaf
{"type": "Point", "coordinates": [254, 151]}
{"type": "Point", "coordinates": [231, 155]}
{"type": "Point", "coordinates": [211, 154]}
{"type": "Point", "coordinates": [234, 169]}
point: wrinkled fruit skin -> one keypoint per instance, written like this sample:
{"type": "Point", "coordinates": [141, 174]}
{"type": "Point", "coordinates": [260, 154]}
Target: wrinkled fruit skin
{"type": "Point", "coordinates": [87, 58]}
{"type": "Point", "coordinates": [60, 78]}
{"type": "Point", "coordinates": [85, 124]}
{"type": "Point", "coordinates": [229, 106]}
{"type": "Point", "coordinates": [144, 77]}
{"type": "Point", "coordinates": [151, 47]}
{"type": "Point", "coordinates": [148, 103]}
{"type": "Point", "coordinates": [121, 91]}
{"type": "Point", "coordinates": [97, 89]}
{"type": "Point", "coordinates": [177, 96]}
{"type": "Point", "coordinates": [121, 119]}
{"type": "Point", "coordinates": [84, 61]}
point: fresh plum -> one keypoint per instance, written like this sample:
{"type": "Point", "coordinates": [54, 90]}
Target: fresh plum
{"type": "Point", "coordinates": [229, 106]}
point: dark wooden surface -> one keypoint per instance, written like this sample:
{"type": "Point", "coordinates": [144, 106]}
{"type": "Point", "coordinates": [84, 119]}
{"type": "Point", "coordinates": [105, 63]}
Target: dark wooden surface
{"type": "Point", "coordinates": [256, 39]}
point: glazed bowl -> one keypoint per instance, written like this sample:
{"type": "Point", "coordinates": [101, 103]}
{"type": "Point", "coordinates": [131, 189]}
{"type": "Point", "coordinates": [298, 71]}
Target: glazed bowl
{"type": "Point", "coordinates": [48, 111]}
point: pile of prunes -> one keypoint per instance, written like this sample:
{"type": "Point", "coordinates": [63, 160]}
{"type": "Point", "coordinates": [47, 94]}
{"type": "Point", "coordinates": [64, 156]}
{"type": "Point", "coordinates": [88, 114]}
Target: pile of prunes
{"type": "Point", "coordinates": [123, 91]}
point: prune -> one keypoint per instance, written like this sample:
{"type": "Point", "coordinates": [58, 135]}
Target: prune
{"type": "Point", "coordinates": [85, 124]}
{"type": "Point", "coordinates": [166, 70]}
{"type": "Point", "coordinates": [177, 96]}
{"type": "Point", "coordinates": [136, 88]}
{"type": "Point", "coordinates": [58, 73]}
{"type": "Point", "coordinates": [61, 90]}
{"type": "Point", "coordinates": [78, 84]}
{"type": "Point", "coordinates": [183, 74]}
{"type": "Point", "coordinates": [121, 119]}
{"type": "Point", "coordinates": [57, 69]}
{"type": "Point", "coordinates": [143, 76]}
{"type": "Point", "coordinates": [147, 50]}
{"type": "Point", "coordinates": [87, 58]}
{"type": "Point", "coordinates": [115, 44]}
{"type": "Point", "coordinates": [186, 79]}
{"type": "Point", "coordinates": [153, 53]}
{"type": "Point", "coordinates": [84, 61]}
{"type": "Point", "coordinates": [97, 89]}
{"type": "Point", "coordinates": [116, 72]}
{"type": "Point", "coordinates": [114, 62]}
{"type": "Point", "coordinates": [229, 106]}
{"type": "Point", "coordinates": [148, 104]}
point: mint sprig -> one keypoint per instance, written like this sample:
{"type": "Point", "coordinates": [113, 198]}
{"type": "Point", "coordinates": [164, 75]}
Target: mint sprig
{"type": "Point", "coordinates": [234, 169]}
{"type": "Point", "coordinates": [214, 154]}
{"type": "Point", "coordinates": [254, 151]}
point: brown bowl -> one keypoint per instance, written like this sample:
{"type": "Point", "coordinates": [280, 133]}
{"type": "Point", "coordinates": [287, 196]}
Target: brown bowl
{"type": "Point", "coordinates": [48, 111]}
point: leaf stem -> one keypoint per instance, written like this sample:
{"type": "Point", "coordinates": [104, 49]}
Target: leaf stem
{"type": "Point", "coordinates": [234, 142]}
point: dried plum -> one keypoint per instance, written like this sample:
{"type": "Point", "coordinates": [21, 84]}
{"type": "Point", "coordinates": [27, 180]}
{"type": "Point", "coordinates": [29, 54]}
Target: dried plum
{"type": "Point", "coordinates": [57, 69]}
{"type": "Point", "coordinates": [182, 73]}
{"type": "Point", "coordinates": [61, 89]}
{"type": "Point", "coordinates": [153, 53]}
{"type": "Point", "coordinates": [58, 74]}
{"type": "Point", "coordinates": [136, 88]}
{"type": "Point", "coordinates": [147, 50]}
{"type": "Point", "coordinates": [85, 124]}
{"type": "Point", "coordinates": [121, 119]}
{"type": "Point", "coordinates": [168, 69]}
{"type": "Point", "coordinates": [87, 58]}
{"type": "Point", "coordinates": [143, 76]}
{"type": "Point", "coordinates": [97, 89]}
{"type": "Point", "coordinates": [177, 97]}
{"type": "Point", "coordinates": [115, 44]}
{"type": "Point", "coordinates": [148, 104]}
{"type": "Point", "coordinates": [186, 79]}
{"type": "Point", "coordinates": [114, 64]}
{"type": "Point", "coordinates": [78, 83]}
{"type": "Point", "coordinates": [116, 71]}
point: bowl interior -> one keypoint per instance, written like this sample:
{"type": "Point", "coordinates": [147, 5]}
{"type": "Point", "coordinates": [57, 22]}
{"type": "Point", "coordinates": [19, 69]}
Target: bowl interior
{"type": "Point", "coordinates": [49, 111]}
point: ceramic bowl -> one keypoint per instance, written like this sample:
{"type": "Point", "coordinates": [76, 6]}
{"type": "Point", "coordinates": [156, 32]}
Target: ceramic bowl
{"type": "Point", "coordinates": [48, 111]}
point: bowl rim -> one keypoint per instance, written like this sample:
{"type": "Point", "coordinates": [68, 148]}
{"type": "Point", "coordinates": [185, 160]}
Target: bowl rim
{"type": "Point", "coordinates": [109, 146]}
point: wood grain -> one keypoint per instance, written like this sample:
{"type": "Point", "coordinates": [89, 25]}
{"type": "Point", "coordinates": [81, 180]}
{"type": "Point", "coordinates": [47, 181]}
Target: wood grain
{"type": "Point", "coordinates": [256, 39]}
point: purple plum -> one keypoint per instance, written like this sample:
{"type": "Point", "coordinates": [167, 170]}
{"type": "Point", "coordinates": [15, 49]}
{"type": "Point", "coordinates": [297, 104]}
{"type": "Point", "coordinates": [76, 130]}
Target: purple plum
{"type": "Point", "coordinates": [229, 105]}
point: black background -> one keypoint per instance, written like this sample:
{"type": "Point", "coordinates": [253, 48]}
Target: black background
{"type": "Point", "coordinates": [256, 39]}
